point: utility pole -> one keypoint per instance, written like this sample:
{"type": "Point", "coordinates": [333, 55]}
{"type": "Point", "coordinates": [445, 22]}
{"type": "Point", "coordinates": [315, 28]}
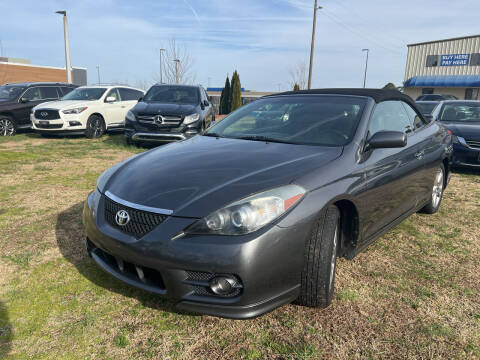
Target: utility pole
{"type": "Point", "coordinates": [161, 77]}
{"type": "Point", "coordinates": [98, 73]}
{"type": "Point", "coordinates": [1, 48]}
{"type": "Point", "coordinates": [67, 47]}
{"type": "Point", "coordinates": [366, 66]}
{"type": "Point", "coordinates": [177, 64]}
{"type": "Point", "coordinates": [315, 8]}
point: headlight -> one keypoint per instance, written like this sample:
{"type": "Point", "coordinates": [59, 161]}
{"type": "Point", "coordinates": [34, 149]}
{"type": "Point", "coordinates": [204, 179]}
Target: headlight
{"type": "Point", "coordinates": [249, 214]}
{"type": "Point", "coordinates": [191, 118]}
{"type": "Point", "coordinates": [459, 140]}
{"type": "Point", "coordinates": [75, 110]}
{"type": "Point", "coordinates": [130, 116]}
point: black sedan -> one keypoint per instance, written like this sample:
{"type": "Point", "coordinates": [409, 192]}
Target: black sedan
{"type": "Point", "coordinates": [462, 118]}
{"type": "Point", "coordinates": [253, 214]}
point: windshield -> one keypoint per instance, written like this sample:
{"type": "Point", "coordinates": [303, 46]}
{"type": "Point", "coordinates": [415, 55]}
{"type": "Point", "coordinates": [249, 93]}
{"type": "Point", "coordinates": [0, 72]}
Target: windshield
{"type": "Point", "coordinates": [427, 108]}
{"type": "Point", "coordinates": [463, 112]}
{"type": "Point", "coordinates": [172, 94]}
{"type": "Point", "coordinates": [85, 94]}
{"type": "Point", "coordinates": [309, 120]}
{"type": "Point", "coordinates": [10, 92]}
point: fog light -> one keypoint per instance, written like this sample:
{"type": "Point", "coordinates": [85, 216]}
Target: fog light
{"type": "Point", "coordinates": [222, 285]}
{"type": "Point", "coordinates": [75, 123]}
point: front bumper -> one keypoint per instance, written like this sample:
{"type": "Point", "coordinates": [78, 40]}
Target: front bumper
{"type": "Point", "coordinates": [465, 156]}
{"type": "Point", "coordinates": [136, 132]}
{"type": "Point", "coordinates": [266, 263]}
{"type": "Point", "coordinates": [66, 124]}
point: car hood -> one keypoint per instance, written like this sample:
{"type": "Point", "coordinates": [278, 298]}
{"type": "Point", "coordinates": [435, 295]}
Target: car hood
{"type": "Point", "coordinates": [469, 131]}
{"type": "Point", "coordinates": [202, 174]}
{"type": "Point", "coordinates": [7, 102]}
{"type": "Point", "coordinates": [63, 104]}
{"type": "Point", "coordinates": [161, 108]}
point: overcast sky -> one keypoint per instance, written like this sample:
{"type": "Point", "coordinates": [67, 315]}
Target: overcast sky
{"type": "Point", "coordinates": [262, 39]}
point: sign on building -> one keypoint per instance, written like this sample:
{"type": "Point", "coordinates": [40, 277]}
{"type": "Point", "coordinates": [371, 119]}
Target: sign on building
{"type": "Point", "coordinates": [454, 60]}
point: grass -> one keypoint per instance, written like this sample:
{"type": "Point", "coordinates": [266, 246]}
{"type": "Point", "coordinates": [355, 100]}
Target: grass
{"type": "Point", "coordinates": [412, 294]}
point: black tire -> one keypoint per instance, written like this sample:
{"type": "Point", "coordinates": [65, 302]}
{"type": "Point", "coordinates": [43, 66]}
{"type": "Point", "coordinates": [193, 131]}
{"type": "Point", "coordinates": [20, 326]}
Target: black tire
{"type": "Point", "coordinates": [437, 192]}
{"type": "Point", "coordinates": [7, 126]}
{"type": "Point", "coordinates": [95, 127]}
{"type": "Point", "coordinates": [321, 248]}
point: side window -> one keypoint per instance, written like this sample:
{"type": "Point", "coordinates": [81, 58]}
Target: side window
{"type": "Point", "coordinates": [114, 93]}
{"type": "Point", "coordinates": [415, 119]}
{"type": "Point", "coordinates": [49, 92]}
{"type": "Point", "coordinates": [130, 94]}
{"type": "Point", "coordinates": [389, 116]}
{"type": "Point", "coordinates": [66, 89]}
{"type": "Point", "coordinates": [33, 94]}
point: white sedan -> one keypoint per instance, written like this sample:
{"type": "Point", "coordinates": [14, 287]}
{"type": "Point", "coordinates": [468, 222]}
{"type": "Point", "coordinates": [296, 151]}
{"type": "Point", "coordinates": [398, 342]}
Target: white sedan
{"type": "Point", "coordinates": [89, 110]}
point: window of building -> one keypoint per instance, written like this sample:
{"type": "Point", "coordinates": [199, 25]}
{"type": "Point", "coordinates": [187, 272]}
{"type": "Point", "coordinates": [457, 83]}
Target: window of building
{"type": "Point", "coordinates": [432, 60]}
{"type": "Point", "coordinates": [427, 91]}
{"type": "Point", "coordinates": [471, 94]}
{"type": "Point", "coordinates": [475, 59]}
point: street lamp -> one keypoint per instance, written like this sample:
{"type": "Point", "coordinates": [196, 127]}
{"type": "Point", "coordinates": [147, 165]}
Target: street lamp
{"type": "Point", "coordinates": [161, 77]}
{"type": "Point", "coordinates": [67, 48]}
{"type": "Point", "coordinates": [366, 66]}
{"type": "Point", "coordinates": [315, 8]}
{"type": "Point", "coordinates": [177, 64]}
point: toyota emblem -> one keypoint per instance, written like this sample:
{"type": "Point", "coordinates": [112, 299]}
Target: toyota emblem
{"type": "Point", "coordinates": [44, 113]}
{"type": "Point", "coordinates": [122, 218]}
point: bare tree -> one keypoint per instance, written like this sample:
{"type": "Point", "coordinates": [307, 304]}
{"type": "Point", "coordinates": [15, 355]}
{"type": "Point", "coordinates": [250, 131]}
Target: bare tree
{"type": "Point", "coordinates": [298, 75]}
{"type": "Point", "coordinates": [177, 64]}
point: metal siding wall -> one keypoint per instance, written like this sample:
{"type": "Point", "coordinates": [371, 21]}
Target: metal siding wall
{"type": "Point", "coordinates": [417, 56]}
{"type": "Point", "coordinates": [79, 76]}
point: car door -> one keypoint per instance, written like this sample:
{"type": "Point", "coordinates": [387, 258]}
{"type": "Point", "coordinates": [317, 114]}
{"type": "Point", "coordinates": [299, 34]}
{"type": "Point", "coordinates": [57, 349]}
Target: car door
{"type": "Point", "coordinates": [114, 112]}
{"type": "Point", "coordinates": [390, 175]}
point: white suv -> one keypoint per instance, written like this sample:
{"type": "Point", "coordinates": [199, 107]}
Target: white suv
{"type": "Point", "coordinates": [89, 110]}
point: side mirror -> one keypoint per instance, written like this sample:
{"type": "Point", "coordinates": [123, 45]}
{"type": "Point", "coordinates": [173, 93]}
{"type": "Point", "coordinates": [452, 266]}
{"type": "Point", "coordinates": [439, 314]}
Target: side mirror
{"type": "Point", "coordinates": [110, 99]}
{"type": "Point", "coordinates": [24, 100]}
{"type": "Point", "coordinates": [140, 99]}
{"type": "Point", "coordinates": [202, 105]}
{"type": "Point", "coordinates": [386, 139]}
{"type": "Point", "coordinates": [206, 103]}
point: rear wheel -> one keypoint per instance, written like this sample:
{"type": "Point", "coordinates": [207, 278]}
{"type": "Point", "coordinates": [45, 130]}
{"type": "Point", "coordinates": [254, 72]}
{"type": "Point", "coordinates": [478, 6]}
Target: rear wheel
{"type": "Point", "coordinates": [7, 126]}
{"type": "Point", "coordinates": [95, 127]}
{"type": "Point", "coordinates": [437, 192]}
{"type": "Point", "coordinates": [318, 275]}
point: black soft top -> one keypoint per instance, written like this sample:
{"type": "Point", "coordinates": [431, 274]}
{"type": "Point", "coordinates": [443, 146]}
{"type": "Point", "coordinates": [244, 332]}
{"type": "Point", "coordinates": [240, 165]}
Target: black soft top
{"type": "Point", "coordinates": [376, 94]}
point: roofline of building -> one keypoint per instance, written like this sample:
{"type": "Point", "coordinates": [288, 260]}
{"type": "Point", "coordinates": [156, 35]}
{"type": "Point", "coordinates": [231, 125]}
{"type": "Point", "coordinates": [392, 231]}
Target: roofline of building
{"type": "Point", "coordinates": [450, 39]}
{"type": "Point", "coordinates": [40, 66]}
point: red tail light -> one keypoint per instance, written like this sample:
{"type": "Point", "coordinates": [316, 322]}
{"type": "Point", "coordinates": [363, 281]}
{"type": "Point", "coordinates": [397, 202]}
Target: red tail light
{"type": "Point", "coordinates": [449, 132]}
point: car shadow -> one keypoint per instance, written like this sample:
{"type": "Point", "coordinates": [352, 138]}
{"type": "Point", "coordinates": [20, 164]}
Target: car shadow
{"type": "Point", "coordinates": [6, 332]}
{"type": "Point", "coordinates": [70, 239]}
{"type": "Point", "coordinates": [466, 170]}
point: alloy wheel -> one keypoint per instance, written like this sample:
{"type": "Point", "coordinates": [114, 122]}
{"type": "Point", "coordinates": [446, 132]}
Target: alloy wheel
{"type": "Point", "coordinates": [437, 188]}
{"type": "Point", "coordinates": [6, 127]}
{"type": "Point", "coordinates": [97, 128]}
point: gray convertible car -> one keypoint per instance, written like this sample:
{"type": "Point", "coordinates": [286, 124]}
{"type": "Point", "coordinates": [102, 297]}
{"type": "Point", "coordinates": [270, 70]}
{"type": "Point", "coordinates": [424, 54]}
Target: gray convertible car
{"type": "Point", "coordinates": [254, 212]}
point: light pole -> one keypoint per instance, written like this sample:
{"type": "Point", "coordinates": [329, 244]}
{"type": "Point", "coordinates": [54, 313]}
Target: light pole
{"type": "Point", "coordinates": [315, 8]}
{"type": "Point", "coordinates": [177, 64]}
{"type": "Point", "coordinates": [98, 73]}
{"type": "Point", "coordinates": [161, 77]}
{"type": "Point", "coordinates": [67, 48]}
{"type": "Point", "coordinates": [366, 66]}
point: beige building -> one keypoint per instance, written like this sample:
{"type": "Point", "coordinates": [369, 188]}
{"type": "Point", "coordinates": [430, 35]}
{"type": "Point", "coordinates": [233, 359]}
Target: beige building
{"type": "Point", "coordinates": [450, 66]}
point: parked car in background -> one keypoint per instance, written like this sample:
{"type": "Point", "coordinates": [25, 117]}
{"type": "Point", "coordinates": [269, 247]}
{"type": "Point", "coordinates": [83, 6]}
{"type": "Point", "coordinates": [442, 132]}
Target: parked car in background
{"type": "Point", "coordinates": [427, 107]}
{"type": "Point", "coordinates": [436, 97]}
{"type": "Point", "coordinates": [89, 110]}
{"type": "Point", "coordinates": [251, 215]}
{"type": "Point", "coordinates": [168, 113]}
{"type": "Point", "coordinates": [17, 99]}
{"type": "Point", "coordinates": [462, 118]}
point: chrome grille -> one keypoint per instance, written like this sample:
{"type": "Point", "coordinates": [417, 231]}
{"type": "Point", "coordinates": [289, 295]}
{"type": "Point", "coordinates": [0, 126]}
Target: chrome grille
{"type": "Point", "coordinates": [153, 120]}
{"type": "Point", "coordinates": [473, 143]}
{"type": "Point", "coordinates": [141, 222]}
{"type": "Point", "coordinates": [47, 114]}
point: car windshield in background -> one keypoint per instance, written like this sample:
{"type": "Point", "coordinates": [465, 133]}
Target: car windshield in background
{"type": "Point", "coordinates": [172, 95]}
{"type": "Point", "coordinates": [311, 120]}
{"type": "Point", "coordinates": [427, 108]}
{"type": "Point", "coordinates": [463, 112]}
{"type": "Point", "coordinates": [85, 94]}
{"type": "Point", "coordinates": [10, 92]}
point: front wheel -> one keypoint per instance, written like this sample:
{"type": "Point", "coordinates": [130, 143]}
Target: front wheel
{"type": "Point", "coordinates": [7, 126]}
{"type": "Point", "coordinates": [437, 192]}
{"type": "Point", "coordinates": [95, 127]}
{"type": "Point", "coordinates": [318, 275]}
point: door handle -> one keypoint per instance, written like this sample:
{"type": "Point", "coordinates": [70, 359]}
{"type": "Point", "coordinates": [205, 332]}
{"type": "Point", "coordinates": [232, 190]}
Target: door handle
{"type": "Point", "coordinates": [419, 155]}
